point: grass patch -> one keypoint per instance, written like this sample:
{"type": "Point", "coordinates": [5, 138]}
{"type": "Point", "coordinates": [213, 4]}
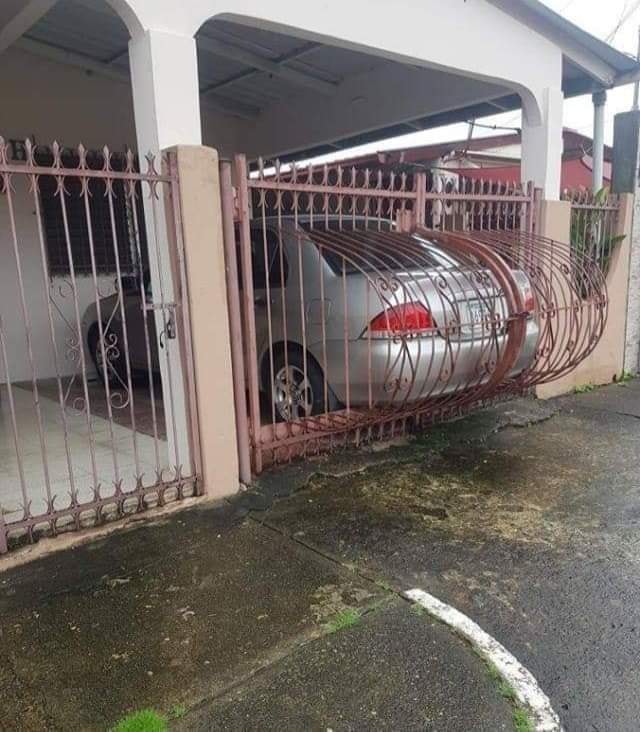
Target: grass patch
{"type": "Point", "coordinates": [417, 609]}
{"type": "Point", "coordinates": [144, 721]}
{"type": "Point", "coordinates": [493, 672]}
{"type": "Point", "coordinates": [342, 621]}
{"type": "Point", "coordinates": [624, 377]}
{"type": "Point", "coordinates": [521, 721]}
{"type": "Point", "coordinates": [383, 585]}
{"type": "Point", "coordinates": [584, 388]}
{"type": "Point", "coordinates": [507, 691]}
{"type": "Point", "coordinates": [177, 711]}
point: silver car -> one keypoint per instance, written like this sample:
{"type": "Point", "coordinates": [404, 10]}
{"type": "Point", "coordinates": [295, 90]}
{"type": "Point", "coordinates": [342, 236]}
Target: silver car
{"type": "Point", "coordinates": [344, 320]}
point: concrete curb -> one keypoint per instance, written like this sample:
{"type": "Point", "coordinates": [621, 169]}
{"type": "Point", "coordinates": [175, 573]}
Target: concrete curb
{"type": "Point", "coordinates": [526, 688]}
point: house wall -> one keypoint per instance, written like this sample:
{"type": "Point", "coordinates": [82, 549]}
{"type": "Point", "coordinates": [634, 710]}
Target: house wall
{"type": "Point", "coordinates": [49, 101]}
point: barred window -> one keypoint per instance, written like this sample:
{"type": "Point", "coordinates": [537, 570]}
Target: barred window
{"type": "Point", "coordinates": [102, 225]}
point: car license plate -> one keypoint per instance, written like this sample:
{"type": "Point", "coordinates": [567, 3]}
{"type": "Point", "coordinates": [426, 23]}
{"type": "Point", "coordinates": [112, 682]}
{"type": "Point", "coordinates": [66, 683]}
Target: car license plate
{"type": "Point", "coordinates": [477, 313]}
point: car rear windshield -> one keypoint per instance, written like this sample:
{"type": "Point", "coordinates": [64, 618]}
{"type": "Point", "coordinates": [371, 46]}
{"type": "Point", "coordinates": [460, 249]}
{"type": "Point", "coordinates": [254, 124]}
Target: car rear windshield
{"type": "Point", "coordinates": [345, 253]}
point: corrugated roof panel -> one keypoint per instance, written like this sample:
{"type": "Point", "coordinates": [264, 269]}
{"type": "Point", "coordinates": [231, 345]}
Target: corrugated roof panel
{"type": "Point", "coordinates": [267, 43]}
{"type": "Point", "coordinates": [336, 62]}
{"type": "Point", "coordinates": [213, 69]}
{"type": "Point", "coordinates": [74, 25]}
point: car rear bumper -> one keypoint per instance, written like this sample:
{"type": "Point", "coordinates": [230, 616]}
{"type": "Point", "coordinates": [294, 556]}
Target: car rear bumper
{"type": "Point", "coordinates": [386, 371]}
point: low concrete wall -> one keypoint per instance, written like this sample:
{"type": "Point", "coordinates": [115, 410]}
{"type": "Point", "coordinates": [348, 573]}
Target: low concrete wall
{"type": "Point", "coordinates": [607, 361]}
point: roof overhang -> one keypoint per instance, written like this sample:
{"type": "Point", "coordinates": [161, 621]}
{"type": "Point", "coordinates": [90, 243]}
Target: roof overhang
{"type": "Point", "coordinates": [589, 63]}
{"type": "Point", "coordinates": [243, 70]}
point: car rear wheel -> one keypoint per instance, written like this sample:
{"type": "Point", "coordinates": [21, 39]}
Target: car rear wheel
{"type": "Point", "coordinates": [298, 389]}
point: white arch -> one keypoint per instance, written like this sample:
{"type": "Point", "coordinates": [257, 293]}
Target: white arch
{"type": "Point", "coordinates": [475, 39]}
{"type": "Point", "coordinates": [128, 14]}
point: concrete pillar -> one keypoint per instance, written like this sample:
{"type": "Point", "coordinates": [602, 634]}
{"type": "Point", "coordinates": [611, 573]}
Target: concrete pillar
{"type": "Point", "coordinates": [632, 345]}
{"type": "Point", "coordinates": [164, 80]}
{"type": "Point", "coordinates": [542, 144]}
{"type": "Point", "coordinates": [166, 98]}
{"type": "Point", "coordinates": [626, 157]}
{"type": "Point", "coordinates": [626, 152]}
{"type": "Point", "coordinates": [599, 103]}
{"type": "Point", "coordinates": [202, 234]}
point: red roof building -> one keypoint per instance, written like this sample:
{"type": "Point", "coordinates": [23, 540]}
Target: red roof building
{"type": "Point", "coordinates": [496, 158]}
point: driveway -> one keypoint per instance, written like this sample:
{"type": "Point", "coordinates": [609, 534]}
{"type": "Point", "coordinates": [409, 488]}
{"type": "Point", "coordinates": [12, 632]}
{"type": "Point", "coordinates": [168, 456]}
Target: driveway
{"type": "Point", "coordinates": [284, 608]}
{"type": "Point", "coordinates": [526, 518]}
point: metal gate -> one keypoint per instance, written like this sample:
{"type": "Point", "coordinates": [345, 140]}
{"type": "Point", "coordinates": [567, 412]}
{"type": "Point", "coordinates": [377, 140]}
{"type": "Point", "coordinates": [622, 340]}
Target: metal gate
{"type": "Point", "coordinates": [370, 302]}
{"type": "Point", "coordinates": [95, 357]}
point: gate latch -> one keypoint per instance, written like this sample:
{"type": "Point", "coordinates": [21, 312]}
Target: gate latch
{"type": "Point", "coordinates": [170, 319]}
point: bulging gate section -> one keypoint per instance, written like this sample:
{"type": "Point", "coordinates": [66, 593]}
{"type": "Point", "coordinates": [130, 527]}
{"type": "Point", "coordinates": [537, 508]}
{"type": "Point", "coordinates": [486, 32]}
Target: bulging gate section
{"type": "Point", "coordinates": [368, 303]}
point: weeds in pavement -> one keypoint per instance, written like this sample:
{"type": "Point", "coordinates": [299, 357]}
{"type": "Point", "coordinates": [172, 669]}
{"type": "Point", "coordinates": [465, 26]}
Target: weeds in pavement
{"type": "Point", "coordinates": [521, 721]}
{"type": "Point", "coordinates": [494, 674]}
{"type": "Point", "coordinates": [383, 585]}
{"type": "Point", "coordinates": [144, 721]}
{"type": "Point", "coordinates": [177, 711]}
{"type": "Point", "coordinates": [342, 621]}
{"type": "Point", "coordinates": [507, 691]}
{"type": "Point", "coordinates": [624, 377]}
{"type": "Point", "coordinates": [584, 388]}
{"type": "Point", "coordinates": [418, 609]}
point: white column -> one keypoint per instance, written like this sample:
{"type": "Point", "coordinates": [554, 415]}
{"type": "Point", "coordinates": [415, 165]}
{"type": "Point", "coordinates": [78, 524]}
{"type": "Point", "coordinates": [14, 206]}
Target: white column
{"type": "Point", "coordinates": [542, 144]}
{"type": "Point", "coordinates": [166, 101]}
{"type": "Point", "coordinates": [599, 102]}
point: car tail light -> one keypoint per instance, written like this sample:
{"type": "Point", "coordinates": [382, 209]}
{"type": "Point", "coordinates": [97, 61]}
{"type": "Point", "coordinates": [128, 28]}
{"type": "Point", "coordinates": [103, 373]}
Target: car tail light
{"type": "Point", "coordinates": [411, 317]}
{"type": "Point", "coordinates": [529, 298]}
{"type": "Point", "coordinates": [530, 302]}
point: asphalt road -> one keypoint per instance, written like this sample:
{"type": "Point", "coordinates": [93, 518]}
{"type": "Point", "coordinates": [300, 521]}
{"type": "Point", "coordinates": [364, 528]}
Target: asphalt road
{"type": "Point", "coordinates": [525, 520]}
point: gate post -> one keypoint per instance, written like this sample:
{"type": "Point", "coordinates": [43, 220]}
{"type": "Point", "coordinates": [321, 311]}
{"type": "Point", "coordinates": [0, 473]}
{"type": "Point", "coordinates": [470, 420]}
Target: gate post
{"type": "Point", "coordinates": [206, 298]}
{"type": "Point", "coordinates": [553, 220]}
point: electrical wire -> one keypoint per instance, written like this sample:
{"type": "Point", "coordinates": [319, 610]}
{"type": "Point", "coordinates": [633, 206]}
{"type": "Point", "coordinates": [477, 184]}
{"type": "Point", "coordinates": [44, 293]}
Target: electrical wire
{"type": "Point", "coordinates": [625, 17]}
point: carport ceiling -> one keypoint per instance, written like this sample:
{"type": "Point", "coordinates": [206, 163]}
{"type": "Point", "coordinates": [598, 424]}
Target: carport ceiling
{"type": "Point", "coordinates": [244, 70]}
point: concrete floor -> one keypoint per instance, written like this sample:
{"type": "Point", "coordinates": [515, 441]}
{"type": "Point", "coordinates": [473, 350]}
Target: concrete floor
{"type": "Point", "coordinates": [211, 613]}
{"type": "Point", "coordinates": [101, 453]}
{"type": "Point", "coordinates": [525, 517]}
{"type": "Point", "coordinates": [529, 523]}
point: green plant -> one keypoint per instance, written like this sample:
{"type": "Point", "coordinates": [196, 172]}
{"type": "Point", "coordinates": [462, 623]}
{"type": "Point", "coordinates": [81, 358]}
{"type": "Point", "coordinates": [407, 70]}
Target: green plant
{"type": "Point", "coordinates": [177, 711]}
{"type": "Point", "coordinates": [342, 621]}
{"type": "Point", "coordinates": [584, 388]}
{"type": "Point", "coordinates": [507, 691]}
{"type": "Point", "coordinates": [521, 721]}
{"type": "Point", "coordinates": [144, 721]}
{"type": "Point", "coordinates": [624, 377]}
{"type": "Point", "coordinates": [590, 233]}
